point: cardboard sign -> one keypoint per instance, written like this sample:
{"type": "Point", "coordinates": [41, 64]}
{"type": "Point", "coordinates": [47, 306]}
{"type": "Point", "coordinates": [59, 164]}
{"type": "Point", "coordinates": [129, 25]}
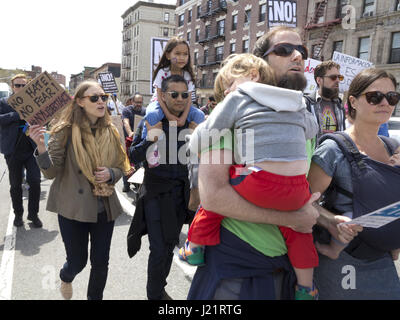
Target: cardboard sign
{"type": "Point", "coordinates": [108, 83]}
{"type": "Point", "coordinates": [309, 67]}
{"type": "Point", "coordinates": [136, 122]}
{"type": "Point", "coordinates": [117, 122]}
{"type": "Point", "coordinates": [40, 100]}
{"type": "Point", "coordinates": [349, 67]}
{"type": "Point", "coordinates": [282, 13]}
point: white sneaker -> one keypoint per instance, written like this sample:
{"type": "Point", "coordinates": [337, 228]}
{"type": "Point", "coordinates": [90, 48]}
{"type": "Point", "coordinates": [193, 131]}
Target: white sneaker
{"type": "Point", "coordinates": [66, 290]}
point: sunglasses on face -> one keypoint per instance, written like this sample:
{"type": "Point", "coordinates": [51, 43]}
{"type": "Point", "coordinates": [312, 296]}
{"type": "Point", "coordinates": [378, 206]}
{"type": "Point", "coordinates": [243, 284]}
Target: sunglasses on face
{"type": "Point", "coordinates": [18, 85]}
{"type": "Point", "coordinates": [375, 97]}
{"type": "Point", "coordinates": [175, 94]}
{"type": "Point", "coordinates": [333, 77]}
{"type": "Point", "coordinates": [286, 49]}
{"type": "Point", "coordinates": [95, 98]}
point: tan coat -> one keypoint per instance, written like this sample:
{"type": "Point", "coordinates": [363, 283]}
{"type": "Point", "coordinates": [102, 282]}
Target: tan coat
{"type": "Point", "coordinates": [71, 193]}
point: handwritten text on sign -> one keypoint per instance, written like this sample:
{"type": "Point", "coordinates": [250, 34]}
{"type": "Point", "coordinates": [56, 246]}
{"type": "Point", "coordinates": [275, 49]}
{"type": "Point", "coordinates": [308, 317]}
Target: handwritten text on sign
{"type": "Point", "coordinates": [39, 100]}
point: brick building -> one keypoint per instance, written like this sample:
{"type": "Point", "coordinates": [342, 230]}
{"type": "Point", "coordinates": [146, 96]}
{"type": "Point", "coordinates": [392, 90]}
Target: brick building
{"type": "Point", "coordinates": [215, 29]}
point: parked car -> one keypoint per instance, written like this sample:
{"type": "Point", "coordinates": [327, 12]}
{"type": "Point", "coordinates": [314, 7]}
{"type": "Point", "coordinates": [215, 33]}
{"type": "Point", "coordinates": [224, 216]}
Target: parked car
{"type": "Point", "coordinates": [394, 128]}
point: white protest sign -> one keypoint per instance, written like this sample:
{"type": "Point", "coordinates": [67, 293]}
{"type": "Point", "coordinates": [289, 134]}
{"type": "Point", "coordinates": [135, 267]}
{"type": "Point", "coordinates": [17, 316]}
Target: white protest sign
{"type": "Point", "coordinates": [309, 67]}
{"type": "Point", "coordinates": [157, 49]}
{"type": "Point", "coordinates": [282, 12]}
{"type": "Point", "coordinates": [349, 67]}
{"type": "Point", "coordinates": [379, 217]}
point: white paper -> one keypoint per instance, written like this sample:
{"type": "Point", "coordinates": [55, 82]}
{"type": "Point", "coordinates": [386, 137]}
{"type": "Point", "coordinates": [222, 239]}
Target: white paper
{"type": "Point", "coordinates": [378, 218]}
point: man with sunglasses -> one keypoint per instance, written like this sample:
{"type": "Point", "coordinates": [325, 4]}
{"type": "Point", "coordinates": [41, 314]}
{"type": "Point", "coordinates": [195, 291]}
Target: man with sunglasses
{"type": "Point", "coordinates": [325, 102]}
{"type": "Point", "coordinates": [18, 149]}
{"type": "Point", "coordinates": [162, 207]}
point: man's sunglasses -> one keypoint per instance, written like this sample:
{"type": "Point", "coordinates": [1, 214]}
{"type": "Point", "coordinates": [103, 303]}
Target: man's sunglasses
{"type": "Point", "coordinates": [18, 85]}
{"type": "Point", "coordinates": [333, 77]}
{"type": "Point", "coordinates": [286, 49]}
{"type": "Point", "coordinates": [95, 98]}
{"type": "Point", "coordinates": [375, 97]}
{"type": "Point", "coordinates": [175, 94]}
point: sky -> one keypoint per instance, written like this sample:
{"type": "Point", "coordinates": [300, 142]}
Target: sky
{"type": "Point", "coordinates": [62, 35]}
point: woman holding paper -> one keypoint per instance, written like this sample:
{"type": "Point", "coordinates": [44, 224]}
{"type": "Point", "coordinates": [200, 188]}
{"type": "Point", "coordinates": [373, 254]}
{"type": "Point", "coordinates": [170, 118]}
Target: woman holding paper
{"type": "Point", "coordinates": [85, 159]}
{"type": "Point", "coordinates": [355, 172]}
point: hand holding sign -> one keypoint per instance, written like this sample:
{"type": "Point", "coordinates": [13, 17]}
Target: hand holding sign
{"type": "Point", "coordinates": [39, 101]}
{"type": "Point", "coordinates": [36, 133]}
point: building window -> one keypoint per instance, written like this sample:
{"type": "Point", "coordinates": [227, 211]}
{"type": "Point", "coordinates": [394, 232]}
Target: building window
{"type": "Point", "coordinates": [232, 47]}
{"type": "Point", "coordinates": [263, 10]}
{"type": "Point", "coordinates": [166, 17]}
{"type": "Point", "coordinates": [369, 6]}
{"type": "Point", "coordinates": [397, 5]}
{"type": "Point", "coordinates": [197, 35]}
{"type": "Point", "coordinates": [395, 51]}
{"type": "Point", "coordinates": [205, 58]}
{"type": "Point", "coordinates": [209, 5]}
{"type": "Point", "coordinates": [207, 31]}
{"type": "Point", "coordinates": [181, 20]}
{"type": "Point", "coordinates": [363, 48]}
{"type": "Point", "coordinates": [188, 36]}
{"type": "Point", "coordinates": [219, 51]}
{"type": "Point", "coordinates": [221, 27]}
{"type": "Point", "coordinates": [190, 15]}
{"type": "Point", "coordinates": [198, 12]}
{"type": "Point", "coordinates": [245, 46]}
{"type": "Point", "coordinates": [234, 22]}
{"type": "Point", "coordinates": [196, 58]}
{"type": "Point", "coordinates": [181, 2]}
{"type": "Point", "coordinates": [338, 46]}
{"type": "Point", "coordinates": [247, 17]}
{"type": "Point", "coordinates": [165, 32]}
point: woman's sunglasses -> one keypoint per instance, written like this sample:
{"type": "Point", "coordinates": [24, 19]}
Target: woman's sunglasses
{"type": "Point", "coordinates": [95, 98]}
{"type": "Point", "coordinates": [375, 97]}
{"type": "Point", "coordinates": [286, 49]}
{"type": "Point", "coordinates": [175, 94]}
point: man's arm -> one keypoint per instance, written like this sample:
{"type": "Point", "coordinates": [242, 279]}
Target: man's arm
{"type": "Point", "coordinates": [217, 195]}
{"type": "Point", "coordinates": [127, 127]}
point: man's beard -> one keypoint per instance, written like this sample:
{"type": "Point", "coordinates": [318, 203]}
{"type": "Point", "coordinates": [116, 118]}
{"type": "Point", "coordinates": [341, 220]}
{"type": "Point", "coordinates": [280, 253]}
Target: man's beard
{"type": "Point", "coordinates": [329, 93]}
{"type": "Point", "coordinates": [293, 81]}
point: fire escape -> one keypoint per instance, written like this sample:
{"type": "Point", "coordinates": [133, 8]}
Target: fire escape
{"type": "Point", "coordinates": [318, 22]}
{"type": "Point", "coordinates": [211, 33]}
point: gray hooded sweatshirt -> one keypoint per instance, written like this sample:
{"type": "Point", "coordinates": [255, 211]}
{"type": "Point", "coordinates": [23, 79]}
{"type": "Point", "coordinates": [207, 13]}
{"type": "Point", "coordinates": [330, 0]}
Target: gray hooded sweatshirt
{"type": "Point", "coordinates": [268, 123]}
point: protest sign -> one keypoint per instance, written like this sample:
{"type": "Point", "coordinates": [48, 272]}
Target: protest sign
{"type": "Point", "coordinates": [40, 100]}
{"type": "Point", "coordinates": [157, 48]}
{"type": "Point", "coordinates": [309, 67]}
{"type": "Point", "coordinates": [117, 122]}
{"type": "Point", "coordinates": [349, 67]}
{"type": "Point", "coordinates": [379, 217]}
{"type": "Point", "coordinates": [136, 122]}
{"type": "Point", "coordinates": [108, 83]}
{"type": "Point", "coordinates": [282, 13]}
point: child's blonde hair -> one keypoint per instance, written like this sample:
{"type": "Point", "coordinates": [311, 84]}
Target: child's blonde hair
{"type": "Point", "coordinates": [241, 65]}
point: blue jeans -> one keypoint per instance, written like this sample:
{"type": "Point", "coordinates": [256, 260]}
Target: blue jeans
{"type": "Point", "coordinates": [75, 235]}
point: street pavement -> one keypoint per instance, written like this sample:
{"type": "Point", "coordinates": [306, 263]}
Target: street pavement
{"type": "Point", "coordinates": [31, 258]}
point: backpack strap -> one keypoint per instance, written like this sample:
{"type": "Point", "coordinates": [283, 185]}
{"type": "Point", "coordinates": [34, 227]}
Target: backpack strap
{"type": "Point", "coordinates": [347, 147]}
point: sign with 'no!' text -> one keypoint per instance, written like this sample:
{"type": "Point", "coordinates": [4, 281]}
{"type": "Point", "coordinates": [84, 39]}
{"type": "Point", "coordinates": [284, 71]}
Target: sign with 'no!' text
{"type": "Point", "coordinates": [40, 100]}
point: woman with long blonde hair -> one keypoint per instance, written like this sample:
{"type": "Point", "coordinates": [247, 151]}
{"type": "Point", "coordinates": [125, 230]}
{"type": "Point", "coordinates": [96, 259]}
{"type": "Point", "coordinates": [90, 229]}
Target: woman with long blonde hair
{"type": "Point", "coordinates": [85, 158]}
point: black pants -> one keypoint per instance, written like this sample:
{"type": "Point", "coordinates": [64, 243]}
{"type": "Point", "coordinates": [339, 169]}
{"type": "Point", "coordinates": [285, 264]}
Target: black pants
{"type": "Point", "coordinates": [16, 165]}
{"type": "Point", "coordinates": [161, 251]}
{"type": "Point", "coordinates": [75, 235]}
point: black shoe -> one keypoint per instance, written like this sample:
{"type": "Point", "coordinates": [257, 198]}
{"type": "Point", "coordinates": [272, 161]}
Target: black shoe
{"type": "Point", "coordinates": [126, 189]}
{"type": "Point", "coordinates": [18, 222]}
{"type": "Point", "coordinates": [36, 222]}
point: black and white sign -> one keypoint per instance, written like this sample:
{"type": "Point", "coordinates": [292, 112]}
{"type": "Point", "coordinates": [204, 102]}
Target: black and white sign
{"type": "Point", "coordinates": [157, 48]}
{"type": "Point", "coordinates": [282, 12]}
{"type": "Point", "coordinates": [107, 81]}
